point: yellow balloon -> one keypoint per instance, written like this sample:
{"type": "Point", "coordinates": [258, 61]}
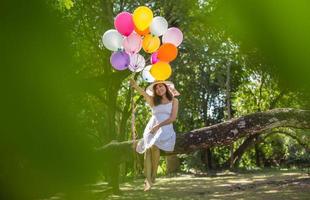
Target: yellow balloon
{"type": "Point", "coordinates": [142, 17]}
{"type": "Point", "coordinates": [161, 71]}
{"type": "Point", "coordinates": [150, 43]}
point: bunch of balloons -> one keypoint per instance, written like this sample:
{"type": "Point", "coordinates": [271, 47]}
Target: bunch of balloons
{"type": "Point", "coordinates": [141, 30]}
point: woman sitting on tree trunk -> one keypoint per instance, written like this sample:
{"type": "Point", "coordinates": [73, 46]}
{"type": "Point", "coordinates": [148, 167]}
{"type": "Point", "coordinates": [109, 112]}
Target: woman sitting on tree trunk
{"type": "Point", "coordinates": [159, 133]}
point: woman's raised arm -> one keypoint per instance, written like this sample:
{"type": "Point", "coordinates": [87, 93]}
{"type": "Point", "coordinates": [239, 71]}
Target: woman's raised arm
{"type": "Point", "coordinates": [147, 97]}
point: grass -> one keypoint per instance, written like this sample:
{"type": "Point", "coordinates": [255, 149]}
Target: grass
{"type": "Point", "coordinates": [266, 184]}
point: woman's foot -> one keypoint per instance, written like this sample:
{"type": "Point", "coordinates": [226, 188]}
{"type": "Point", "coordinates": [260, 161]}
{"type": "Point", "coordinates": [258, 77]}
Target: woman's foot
{"type": "Point", "coordinates": [147, 185]}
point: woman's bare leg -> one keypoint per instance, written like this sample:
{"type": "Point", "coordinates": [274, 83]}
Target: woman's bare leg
{"type": "Point", "coordinates": [155, 161]}
{"type": "Point", "coordinates": [148, 169]}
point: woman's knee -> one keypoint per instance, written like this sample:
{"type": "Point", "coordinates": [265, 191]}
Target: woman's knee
{"type": "Point", "coordinates": [148, 151]}
{"type": "Point", "coordinates": [154, 148]}
{"type": "Point", "coordinates": [155, 151]}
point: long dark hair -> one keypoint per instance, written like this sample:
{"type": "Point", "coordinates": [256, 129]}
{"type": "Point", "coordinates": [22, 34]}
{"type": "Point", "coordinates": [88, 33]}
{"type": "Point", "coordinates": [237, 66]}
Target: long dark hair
{"type": "Point", "coordinates": [157, 98]}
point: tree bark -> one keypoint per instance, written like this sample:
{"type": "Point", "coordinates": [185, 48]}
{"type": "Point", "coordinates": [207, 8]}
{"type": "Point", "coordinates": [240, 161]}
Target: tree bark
{"type": "Point", "coordinates": [226, 132]}
{"type": "Point", "coordinates": [208, 160]}
{"type": "Point", "coordinates": [249, 141]}
{"type": "Point", "coordinates": [220, 134]}
{"type": "Point", "coordinates": [228, 107]}
{"type": "Point", "coordinates": [258, 154]}
{"type": "Point", "coordinates": [173, 163]}
{"type": "Point", "coordinates": [256, 139]}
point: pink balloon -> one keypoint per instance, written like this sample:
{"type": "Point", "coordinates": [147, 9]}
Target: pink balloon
{"type": "Point", "coordinates": [133, 43]}
{"type": "Point", "coordinates": [154, 58]}
{"type": "Point", "coordinates": [123, 23]}
{"type": "Point", "coordinates": [174, 36]}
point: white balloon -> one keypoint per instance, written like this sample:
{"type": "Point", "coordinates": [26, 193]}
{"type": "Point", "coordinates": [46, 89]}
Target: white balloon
{"type": "Point", "coordinates": [158, 26]}
{"type": "Point", "coordinates": [137, 63]}
{"type": "Point", "coordinates": [112, 40]}
{"type": "Point", "coordinates": [146, 75]}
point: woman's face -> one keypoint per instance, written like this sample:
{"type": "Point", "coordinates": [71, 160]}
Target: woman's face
{"type": "Point", "coordinates": [160, 89]}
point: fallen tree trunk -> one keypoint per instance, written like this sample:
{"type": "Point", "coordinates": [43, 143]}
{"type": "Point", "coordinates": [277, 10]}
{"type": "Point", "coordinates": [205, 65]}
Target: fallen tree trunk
{"type": "Point", "coordinates": [224, 133]}
{"type": "Point", "coordinates": [220, 134]}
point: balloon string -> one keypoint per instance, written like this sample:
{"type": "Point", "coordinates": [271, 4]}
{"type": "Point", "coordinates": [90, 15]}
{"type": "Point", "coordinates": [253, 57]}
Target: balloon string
{"type": "Point", "coordinates": [133, 130]}
{"type": "Point", "coordinates": [149, 60]}
{"type": "Point", "coordinates": [132, 112]}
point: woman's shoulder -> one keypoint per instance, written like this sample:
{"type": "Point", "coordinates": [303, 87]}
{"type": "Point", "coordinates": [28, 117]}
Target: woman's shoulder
{"type": "Point", "coordinates": [175, 100]}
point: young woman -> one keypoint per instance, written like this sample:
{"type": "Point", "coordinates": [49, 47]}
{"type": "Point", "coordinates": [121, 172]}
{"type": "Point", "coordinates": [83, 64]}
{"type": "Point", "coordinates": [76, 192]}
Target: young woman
{"type": "Point", "coordinates": [159, 133]}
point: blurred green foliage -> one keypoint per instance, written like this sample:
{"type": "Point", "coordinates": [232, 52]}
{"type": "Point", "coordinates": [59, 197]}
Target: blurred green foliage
{"type": "Point", "coordinates": [61, 99]}
{"type": "Point", "coordinates": [280, 30]}
{"type": "Point", "coordinates": [43, 149]}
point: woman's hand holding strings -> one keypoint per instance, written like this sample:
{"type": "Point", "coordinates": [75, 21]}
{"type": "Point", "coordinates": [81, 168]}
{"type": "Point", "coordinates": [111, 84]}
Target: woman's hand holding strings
{"type": "Point", "coordinates": [132, 82]}
{"type": "Point", "coordinates": [155, 129]}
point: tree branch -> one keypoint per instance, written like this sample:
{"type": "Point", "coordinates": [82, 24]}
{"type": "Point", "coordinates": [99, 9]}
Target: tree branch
{"type": "Point", "coordinates": [227, 132]}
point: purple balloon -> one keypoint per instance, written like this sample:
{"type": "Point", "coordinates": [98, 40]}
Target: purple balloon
{"type": "Point", "coordinates": [120, 60]}
{"type": "Point", "coordinates": [154, 58]}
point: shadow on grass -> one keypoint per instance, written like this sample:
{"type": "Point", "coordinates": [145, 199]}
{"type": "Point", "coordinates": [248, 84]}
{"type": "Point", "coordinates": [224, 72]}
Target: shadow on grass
{"type": "Point", "coordinates": [257, 185]}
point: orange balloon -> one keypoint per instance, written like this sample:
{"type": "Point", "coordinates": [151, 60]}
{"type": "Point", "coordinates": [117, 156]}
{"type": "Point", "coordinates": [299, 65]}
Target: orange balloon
{"type": "Point", "coordinates": [150, 43]}
{"type": "Point", "coordinates": [167, 52]}
{"type": "Point", "coordinates": [161, 71]}
{"type": "Point", "coordinates": [142, 33]}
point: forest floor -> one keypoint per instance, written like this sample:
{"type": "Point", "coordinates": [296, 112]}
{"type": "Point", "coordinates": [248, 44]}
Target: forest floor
{"type": "Point", "coordinates": [266, 184]}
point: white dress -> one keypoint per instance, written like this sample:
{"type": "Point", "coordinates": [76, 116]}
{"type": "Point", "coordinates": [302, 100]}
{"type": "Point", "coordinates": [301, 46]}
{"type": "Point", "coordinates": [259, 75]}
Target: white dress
{"type": "Point", "coordinates": [164, 138]}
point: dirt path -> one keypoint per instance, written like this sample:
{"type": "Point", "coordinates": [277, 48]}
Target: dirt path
{"type": "Point", "coordinates": [259, 185]}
